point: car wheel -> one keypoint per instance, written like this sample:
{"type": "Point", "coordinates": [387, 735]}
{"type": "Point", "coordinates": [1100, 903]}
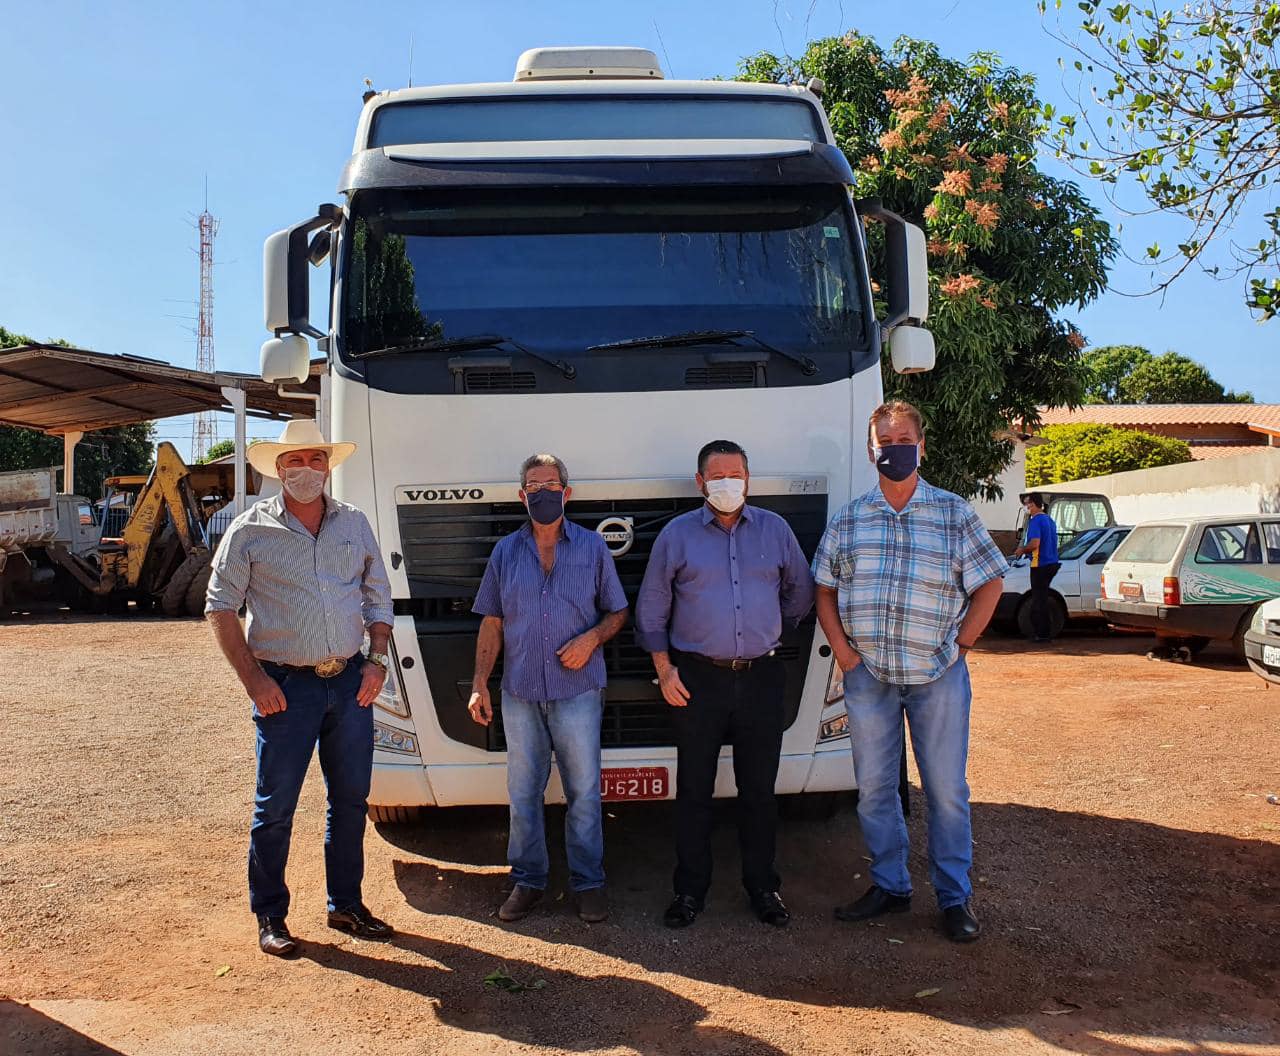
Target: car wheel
{"type": "Point", "coordinates": [1057, 616]}
{"type": "Point", "coordinates": [1237, 639]}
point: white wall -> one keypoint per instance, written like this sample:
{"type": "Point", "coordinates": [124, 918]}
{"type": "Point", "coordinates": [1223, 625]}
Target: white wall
{"type": "Point", "coordinates": [1248, 483]}
{"type": "Point", "coordinates": [1001, 515]}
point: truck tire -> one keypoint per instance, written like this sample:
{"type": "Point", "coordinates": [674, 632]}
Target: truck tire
{"type": "Point", "coordinates": [1057, 616]}
{"type": "Point", "coordinates": [394, 815]}
{"type": "Point", "coordinates": [173, 599]}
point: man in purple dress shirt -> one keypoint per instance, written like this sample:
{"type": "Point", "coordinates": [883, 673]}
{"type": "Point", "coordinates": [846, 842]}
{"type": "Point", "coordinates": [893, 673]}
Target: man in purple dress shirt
{"type": "Point", "coordinates": [723, 580]}
{"type": "Point", "coordinates": [551, 598]}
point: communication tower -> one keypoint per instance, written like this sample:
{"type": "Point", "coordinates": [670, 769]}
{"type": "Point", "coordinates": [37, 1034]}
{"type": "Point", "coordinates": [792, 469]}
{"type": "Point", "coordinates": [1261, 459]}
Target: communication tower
{"type": "Point", "coordinates": [204, 431]}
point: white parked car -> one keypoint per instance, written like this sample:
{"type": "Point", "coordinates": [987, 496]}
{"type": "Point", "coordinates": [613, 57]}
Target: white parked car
{"type": "Point", "coordinates": [1194, 580]}
{"type": "Point", "coordinates": [1074, 592]}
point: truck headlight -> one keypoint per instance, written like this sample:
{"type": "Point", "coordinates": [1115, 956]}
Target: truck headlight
{"type": "Point", "coordinates": [392, 698]}
{"type": "Point", "coordinates": [389, 739]}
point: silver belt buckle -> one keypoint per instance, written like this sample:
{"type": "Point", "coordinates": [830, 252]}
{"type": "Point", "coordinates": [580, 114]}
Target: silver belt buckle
{"type": "Point", "coordinates": [331, 667]}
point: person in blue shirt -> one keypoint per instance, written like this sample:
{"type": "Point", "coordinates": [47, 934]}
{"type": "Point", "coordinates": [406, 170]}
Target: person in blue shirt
{"type": "Point", "coordinates": [722, 583]}
{"type": "Point", "coordinates": [1042, 545]}
{"type": "Point", "coordinates": [550, 598]}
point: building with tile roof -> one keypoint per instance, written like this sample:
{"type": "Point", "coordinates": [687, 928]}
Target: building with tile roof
{"type": "Point", "coordinates": [1213, 430]}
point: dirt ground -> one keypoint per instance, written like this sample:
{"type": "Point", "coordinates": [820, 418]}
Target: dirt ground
{"type": "Point", "coordinates": [1127, 867]}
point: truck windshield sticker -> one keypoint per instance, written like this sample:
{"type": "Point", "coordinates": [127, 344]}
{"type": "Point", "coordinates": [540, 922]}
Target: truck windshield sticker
{"type": "Point", "coordinates": [831, 232]}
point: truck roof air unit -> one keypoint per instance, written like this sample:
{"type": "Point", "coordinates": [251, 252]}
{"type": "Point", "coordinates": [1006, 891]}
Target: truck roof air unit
{"type": "Point", "coordinates": [580, 64]}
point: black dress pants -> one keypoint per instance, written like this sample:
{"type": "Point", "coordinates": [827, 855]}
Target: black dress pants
{"type": "Point", "coordinates": [1041, 577]}
{"type": "Point", "coordinates": [743, 709]}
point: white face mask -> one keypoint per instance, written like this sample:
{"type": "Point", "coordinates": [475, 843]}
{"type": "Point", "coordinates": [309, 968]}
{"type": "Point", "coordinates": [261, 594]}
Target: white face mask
{"type": "Point", "coordinates": [303, 483]}
{"type": "Point", "coordinates": [726, 494]}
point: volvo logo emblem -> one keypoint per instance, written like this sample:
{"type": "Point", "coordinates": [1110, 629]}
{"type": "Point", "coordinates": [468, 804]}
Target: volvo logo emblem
{"type": "Point", "coordinates": [618, 533]}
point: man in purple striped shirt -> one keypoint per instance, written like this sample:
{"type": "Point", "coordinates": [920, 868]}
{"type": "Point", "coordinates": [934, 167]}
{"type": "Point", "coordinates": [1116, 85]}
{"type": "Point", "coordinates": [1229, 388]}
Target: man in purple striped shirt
{"type": "Point", "coordinates": [551, 598]}
{"type": "Point", "coordinates": [722, 582]}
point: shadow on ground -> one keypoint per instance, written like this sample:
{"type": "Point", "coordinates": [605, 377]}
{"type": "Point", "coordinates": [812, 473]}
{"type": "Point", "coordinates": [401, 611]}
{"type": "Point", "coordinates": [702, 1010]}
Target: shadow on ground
{"type": "Point", "coordinates": [1093, 915]}
{"type": "Point", "coordinates": [25, 1031]}
{"type": "Point", "coordinates": [567, 1012]}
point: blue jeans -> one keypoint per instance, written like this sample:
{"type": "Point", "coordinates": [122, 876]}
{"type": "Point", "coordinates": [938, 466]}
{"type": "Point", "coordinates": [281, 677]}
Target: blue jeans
{"type": "Point", "coordinates": [320, 711]}
{"type": "Point", "coordinates": [939, 716]}
{"type": "Point", "coordinates": [570, 728]}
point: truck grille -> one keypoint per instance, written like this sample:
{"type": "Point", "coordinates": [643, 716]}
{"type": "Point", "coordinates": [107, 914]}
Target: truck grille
{"type": "Point", "coordinates": [445, 549]}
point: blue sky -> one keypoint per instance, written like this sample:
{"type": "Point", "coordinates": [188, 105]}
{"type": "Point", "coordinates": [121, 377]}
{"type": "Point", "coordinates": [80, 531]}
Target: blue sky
{"type": "Point", "coordinates": [113, 115]}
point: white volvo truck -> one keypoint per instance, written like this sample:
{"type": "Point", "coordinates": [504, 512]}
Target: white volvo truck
{"type": "Point", "coordinates": [595, 261]}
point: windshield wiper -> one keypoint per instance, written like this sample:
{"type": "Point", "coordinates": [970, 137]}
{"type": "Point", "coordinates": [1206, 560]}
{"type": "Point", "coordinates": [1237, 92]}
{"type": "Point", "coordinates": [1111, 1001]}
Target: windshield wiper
{"type": "Point", "coordinates": [708, 337]}
{"type": "Point", "coordinates": [472, 343]}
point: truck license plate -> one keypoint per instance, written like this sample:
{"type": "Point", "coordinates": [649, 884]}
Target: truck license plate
{"type": "Point", "coordinates": [1131, 590]}
{"type": "Point", "coordinates": [1271, 655]}
{"type": "Point", "coordinates": [634, 782]}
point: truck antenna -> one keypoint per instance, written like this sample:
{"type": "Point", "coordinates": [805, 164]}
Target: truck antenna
{"type": "Point", "coordinates": [410, 61]}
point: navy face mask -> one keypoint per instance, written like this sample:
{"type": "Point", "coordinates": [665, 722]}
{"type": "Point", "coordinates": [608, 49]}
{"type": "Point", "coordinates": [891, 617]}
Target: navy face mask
{"type": "Point", "coordinates": [897, 461]}
{"type": "Point", "coordinates": [546, 507]}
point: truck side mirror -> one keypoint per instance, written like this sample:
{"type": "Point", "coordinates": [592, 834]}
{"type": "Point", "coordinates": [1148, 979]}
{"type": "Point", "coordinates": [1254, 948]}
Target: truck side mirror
{"type": "Point", "coordinates": [286, 291]}
{"type": "Point", "coordinates": [286, 359]}
{"type": "Point", "coordinates": [911, 349]}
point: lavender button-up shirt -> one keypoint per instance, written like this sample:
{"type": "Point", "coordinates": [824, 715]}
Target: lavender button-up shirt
{"type": "Point", "coordinates": [723, 594]}
{"type": "Point", "coordinates": [541, 612]}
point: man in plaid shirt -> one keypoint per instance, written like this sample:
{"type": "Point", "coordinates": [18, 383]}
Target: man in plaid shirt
{"type": "Point", "coordinates": [907, 578]}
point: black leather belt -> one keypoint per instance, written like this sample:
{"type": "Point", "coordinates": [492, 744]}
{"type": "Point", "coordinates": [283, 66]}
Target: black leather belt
{"type": "Point", "coordinates": [732, 665]}
{"type": "Point", "coordinates": [331, 667]}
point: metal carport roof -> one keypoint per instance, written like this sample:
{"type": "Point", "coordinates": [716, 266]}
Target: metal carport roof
{"type": "Point", "coordinates": [61, 390]}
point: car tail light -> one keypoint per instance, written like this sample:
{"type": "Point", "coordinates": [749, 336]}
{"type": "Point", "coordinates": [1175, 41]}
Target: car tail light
{"type": "Point", "coordinates": [1102, 587]}
{"type": "Point", "coordinates": [1172, 591]}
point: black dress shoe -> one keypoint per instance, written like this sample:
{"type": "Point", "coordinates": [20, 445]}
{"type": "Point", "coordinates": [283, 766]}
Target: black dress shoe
{"type": "Point", "coordinates": [769, 907]}
{"type": "Point", "coordinates": [274, 937]}
{"type": "Point", "coordinates": [875, 902]}
{"type": "Point", "coordinates": [358, 921]}
{"type": "Point", "coordinates": [960, 924]}
{"type": "Point", "coordinates": [682, 912]}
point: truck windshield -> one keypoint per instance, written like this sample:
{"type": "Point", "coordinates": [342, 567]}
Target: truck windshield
{"type": "Point", "coordinates": [560, 272]}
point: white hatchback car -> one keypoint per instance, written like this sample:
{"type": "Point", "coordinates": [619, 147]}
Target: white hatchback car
{"type": "Point", "coordinates": [1074, 592]}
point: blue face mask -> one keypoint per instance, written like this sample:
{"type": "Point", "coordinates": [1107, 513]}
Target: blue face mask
{"type": "Point", "coordinates": [897, 461]}
{"type": "Point", "coordinates": [546, 507]}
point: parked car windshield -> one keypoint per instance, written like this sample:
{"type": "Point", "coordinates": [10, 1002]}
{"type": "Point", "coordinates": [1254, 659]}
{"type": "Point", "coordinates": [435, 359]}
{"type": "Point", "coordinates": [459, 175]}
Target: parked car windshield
{"type": "Point", "coordinates": [1151, 544]}
{"type": "Point", "coordinates": [1080, 544]}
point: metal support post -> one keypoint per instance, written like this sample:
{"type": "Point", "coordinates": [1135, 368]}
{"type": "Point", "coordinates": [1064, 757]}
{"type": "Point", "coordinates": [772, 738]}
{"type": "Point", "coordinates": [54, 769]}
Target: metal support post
{"type": "Point", "coordinates": [69, 441]}
{"type": "Point", "coordinates": [236, 397]}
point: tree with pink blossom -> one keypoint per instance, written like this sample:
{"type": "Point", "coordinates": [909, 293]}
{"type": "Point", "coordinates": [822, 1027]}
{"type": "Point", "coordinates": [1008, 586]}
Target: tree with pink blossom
{"type": "Point", "coordinates": [953, 146]}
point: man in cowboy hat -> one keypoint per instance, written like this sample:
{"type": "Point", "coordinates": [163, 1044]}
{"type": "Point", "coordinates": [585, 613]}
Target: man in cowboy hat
{"type": "Point", "coordinates": [308, 573]}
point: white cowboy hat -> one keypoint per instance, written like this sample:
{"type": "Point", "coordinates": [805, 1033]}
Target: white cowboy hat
{"type": "Point", "coordinates": [300, 434]}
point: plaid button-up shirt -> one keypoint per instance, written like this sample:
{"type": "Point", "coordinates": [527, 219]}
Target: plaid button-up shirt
{"type": "Point", "coordinates": [903, 579]}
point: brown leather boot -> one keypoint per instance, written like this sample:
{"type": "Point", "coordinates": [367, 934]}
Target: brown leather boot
{"type": "Point", "coordinates": [593, 905]}
{"type": "Point", "coordinates": [519, 903]}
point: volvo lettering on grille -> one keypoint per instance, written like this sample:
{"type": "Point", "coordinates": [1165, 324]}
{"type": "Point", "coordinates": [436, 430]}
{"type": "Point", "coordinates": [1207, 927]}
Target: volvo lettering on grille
{"type": "Point", "coordinates": [618, 533]}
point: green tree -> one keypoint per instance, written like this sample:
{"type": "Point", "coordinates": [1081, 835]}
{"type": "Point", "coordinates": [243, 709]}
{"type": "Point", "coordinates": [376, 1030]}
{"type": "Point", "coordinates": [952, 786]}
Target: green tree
{"type": "Point", "coordinates": [1185, 103]}
{"type": "Point", "coordinates": [104, 453]}
{"type": "Point", "coordinates": [1173, 378]}
{"type": "Point", "coordinates": [952, 146]}
{"type": "Point", "coordinates": [1108, 366]}
{"type": "Point", "coordinates": [1131, 374]}
{"type": "Point", "coordinates": [219, 450]}
{"type": "Point", "coordinates": [1077, 452]}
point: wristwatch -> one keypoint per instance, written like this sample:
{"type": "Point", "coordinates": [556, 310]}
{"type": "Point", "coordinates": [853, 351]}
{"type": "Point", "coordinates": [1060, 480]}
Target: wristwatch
{"type": "Point", "coordinates": [380, 659]}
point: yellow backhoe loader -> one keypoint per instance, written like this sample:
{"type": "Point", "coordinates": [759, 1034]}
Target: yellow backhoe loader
{"type": "Point", "coordinates": [154, 547]}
